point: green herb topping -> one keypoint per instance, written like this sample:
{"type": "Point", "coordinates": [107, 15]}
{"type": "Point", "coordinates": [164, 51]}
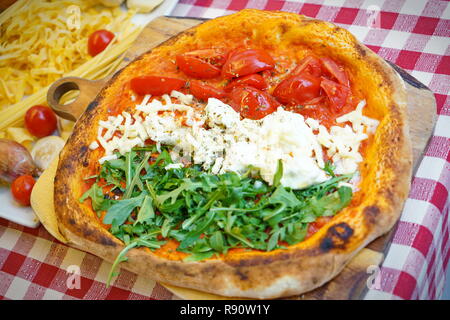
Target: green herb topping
{"type": "Point", "coordinates": [207, 214]}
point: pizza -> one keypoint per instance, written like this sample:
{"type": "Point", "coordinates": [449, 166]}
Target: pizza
{"type": "Point", "coordinates": [250, 156]}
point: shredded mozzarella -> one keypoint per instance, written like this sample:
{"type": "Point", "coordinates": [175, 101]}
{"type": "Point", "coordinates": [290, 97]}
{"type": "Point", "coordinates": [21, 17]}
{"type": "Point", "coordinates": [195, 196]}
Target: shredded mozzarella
{"type": "Point", "coordinates": [231, 144]}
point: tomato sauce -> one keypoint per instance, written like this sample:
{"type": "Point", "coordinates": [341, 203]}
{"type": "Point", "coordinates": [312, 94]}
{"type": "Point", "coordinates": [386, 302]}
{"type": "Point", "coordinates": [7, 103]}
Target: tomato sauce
{"type": "Point", "coordinates": [316, 87]}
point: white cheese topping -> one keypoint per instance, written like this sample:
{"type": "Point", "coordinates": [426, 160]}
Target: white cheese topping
{"type": "Point", "coordinates": [215, 137]}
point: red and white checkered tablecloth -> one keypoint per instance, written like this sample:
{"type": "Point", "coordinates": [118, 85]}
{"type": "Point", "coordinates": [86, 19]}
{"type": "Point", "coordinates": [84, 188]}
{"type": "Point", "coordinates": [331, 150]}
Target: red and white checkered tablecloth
{"type": "Point", "coordinates": [415, 35]}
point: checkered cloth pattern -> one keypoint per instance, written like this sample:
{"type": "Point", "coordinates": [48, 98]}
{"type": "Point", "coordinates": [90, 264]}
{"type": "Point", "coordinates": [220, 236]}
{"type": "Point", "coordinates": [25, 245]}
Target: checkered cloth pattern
{"type": "Point", "coordinates": [415, 35]}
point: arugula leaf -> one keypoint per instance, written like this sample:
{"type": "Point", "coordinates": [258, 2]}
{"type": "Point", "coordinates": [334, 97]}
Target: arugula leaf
{"type": "Point", "coordinates": [174, 194]}
{"type": "Point", "coordinates": [119, 212]}
{"type": "Point", "coordinates": [283, 196]}
{"type": "Point", "coordinates": [345, 194]}
{"type": "Point", "coordinates": [273, 240]}
{"type": "Point", "coordinates": [209, 214]}
{"type": "Point", "coordinates": [143, 241]}
{"type": "Point", "coordinates": [329, 168]}
{"type": "Point", "coordinates": [217, 241]}
{"type": "Point", "coordinates": [146, 211]}
{"type": "Point", "coordinates": [99, 203]}
{"type": "Point", "coordinates": [119, 259]}
{"type": "Point", "coordinates": [278, 174]}
{"type": "Point", "coordinates": [199, 256]}
{"type": "Point", "coordinates": [136, 180]}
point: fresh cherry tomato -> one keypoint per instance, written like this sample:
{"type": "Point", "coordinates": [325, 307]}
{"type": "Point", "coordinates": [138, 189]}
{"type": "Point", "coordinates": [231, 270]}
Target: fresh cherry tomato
{"type": "Point", "coordinates": [21, 189]}
{"type": "Point", "coordinates": [337, 94]}
{"type": "Point", "coordinates": [252, 80]}
{"type": "Point", "coordinates": [245, 62]}
{"type": "Point", "coordinates": [156, 85]}
{"type": "Point", "coordinates": [252, 103]}
{"type": "Point", "coordinates": [313, 227]}
{"type": "Point", "coordinates": [309, 65]}
{"type": "Point", "coordinates": [40, 121]}
{"type": "Point", "coordinates": [335, 71]}
{"type": "Point", "coordinates": [98, 41]}
{"type": "Point", "coordinates": [196, 68]}
{"type": "Point", "coordinates": [203, 91]}
{"type": "Point", "coordinates": [297, 90]}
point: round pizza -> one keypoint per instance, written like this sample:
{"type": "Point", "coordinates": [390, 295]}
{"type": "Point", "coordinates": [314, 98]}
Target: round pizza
{"type": "Point", "coordinates": [251, 156]}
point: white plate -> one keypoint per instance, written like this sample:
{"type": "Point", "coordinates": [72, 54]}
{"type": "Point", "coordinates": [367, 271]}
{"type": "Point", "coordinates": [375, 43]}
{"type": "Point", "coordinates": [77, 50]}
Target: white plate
{"type": "Point", "coordinates": [9, 209]}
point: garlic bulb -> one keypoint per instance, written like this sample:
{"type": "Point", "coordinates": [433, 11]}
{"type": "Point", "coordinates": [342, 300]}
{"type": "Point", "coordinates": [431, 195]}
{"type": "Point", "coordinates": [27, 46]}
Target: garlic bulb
{"type": "Point", "coordinates": [15, 160]}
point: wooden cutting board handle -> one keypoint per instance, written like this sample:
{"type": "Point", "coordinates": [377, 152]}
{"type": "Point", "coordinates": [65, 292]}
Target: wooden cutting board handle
{"type": "Point", "coordinates": [88, 91]}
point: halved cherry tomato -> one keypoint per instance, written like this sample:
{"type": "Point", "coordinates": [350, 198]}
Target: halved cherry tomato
{"type": "Point", "coordinates": [252, 80]}
{"type": "Point", "coordinates": [252, 103]}
{"type": "Point", "coordinates": [203, 91]}
{"type": "Point", "coordinates": [335, 71]}
{"type": "Point", "coordinates": [196, 68]}
{"type": "Point", "coordinates": [337, 94]}
{"type": "Point", "coordinates": [313, 227]}
{"type": "Point", "coordinates": [297, 90]}
{"type": "Point", "coordinates": [320, 112]}
{"type": "Point", "coordinates": [98, 41]}
{"type": "Point", "coordinates": [40, 121]}
{"type": "Point", "coordinates": [156, 85]}
{"type": "Point", "coordinates": [215, 56]}
{"type": "Point", "coordinates": [309, 65]}
{"type": "Point", "coordinates": [21, 189]}
{"type": "Point", "coordinates": [245, 62]}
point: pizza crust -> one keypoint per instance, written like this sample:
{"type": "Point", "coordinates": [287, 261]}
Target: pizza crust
{"type": "Point", "coordinates": [385, 171]}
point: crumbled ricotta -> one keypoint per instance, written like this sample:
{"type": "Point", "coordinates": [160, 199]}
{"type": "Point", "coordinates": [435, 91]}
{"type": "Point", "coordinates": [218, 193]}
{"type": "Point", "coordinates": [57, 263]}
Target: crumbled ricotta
{"type": "Point", "coordinates": [215, 137]}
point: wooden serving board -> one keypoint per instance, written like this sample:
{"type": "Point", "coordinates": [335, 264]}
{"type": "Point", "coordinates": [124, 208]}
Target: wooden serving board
{"type": "Point", "coordinates": [351, 282]}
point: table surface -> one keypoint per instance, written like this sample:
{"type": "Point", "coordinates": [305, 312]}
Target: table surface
{"type": "Point", "coordinates": [413, 34]}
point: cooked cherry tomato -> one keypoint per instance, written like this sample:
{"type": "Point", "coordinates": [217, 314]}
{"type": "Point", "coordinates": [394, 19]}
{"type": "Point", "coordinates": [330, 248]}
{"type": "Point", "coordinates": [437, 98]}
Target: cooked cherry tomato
{"type": "Point", "coordinates": [337, 94]}
{"type": "Point", "coordinates": [309, 65]}
{"type": "Point", "coordinates": [320, 112]}
{"type": "Point", "coordinates": [196, 68]}
{"type": "Point", "coordinates": [335, 71]}
{"type": "Point", "coordinates": [98, 41]}
{"type": "Point", "coordinates": [156, 85]}
{"type": "Point", "coordinates": [21, 189]}
{"type": "Point", "coordinates": [203, 91]}
{"type": "Point", "coordinates": [297, 89]}
{"type": "Point", "coordinates": [217, 57]}
{"type": "Point", "coordinates": [245, 62]}
{"type": "Point", "coordinates": [252, 103]}
{"type": "Point", "coordinates": [252, 80]}
{"type": "Point", "coordinates": [40, 121]}
{"type": "Point", "coordinates": [313, 227]}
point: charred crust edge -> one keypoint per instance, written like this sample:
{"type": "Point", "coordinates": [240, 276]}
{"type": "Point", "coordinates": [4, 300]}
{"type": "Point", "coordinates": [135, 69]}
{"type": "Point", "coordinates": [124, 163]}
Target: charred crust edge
{"type": "Point", "coordinates": [337, 236]}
